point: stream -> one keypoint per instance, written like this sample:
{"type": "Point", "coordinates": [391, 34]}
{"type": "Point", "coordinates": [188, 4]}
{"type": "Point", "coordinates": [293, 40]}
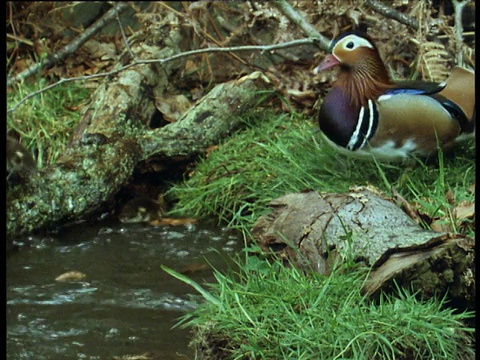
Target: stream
{"type": "Point", "coordinates": [125, 305]}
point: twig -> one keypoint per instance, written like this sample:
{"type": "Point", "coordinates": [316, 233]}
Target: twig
{"type": "Point", "coordinates": [124, 36]}
{"type": "Point", "coordinates": [296, 18]}
{"type": "Point", "coordinates": [393, 14]}
{"type": "Point", "coordinates": [74, 45]}
{"type": "Point", "coordinates": [261, 48]}
{"type": "Point", "coordinates": [458, 6]}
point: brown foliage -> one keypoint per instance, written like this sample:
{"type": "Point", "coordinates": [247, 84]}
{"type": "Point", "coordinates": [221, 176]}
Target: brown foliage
{"type": "Point", "coordinates": [39, 29]}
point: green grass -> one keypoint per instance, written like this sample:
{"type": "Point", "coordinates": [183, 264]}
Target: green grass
{"type": "Point", "coordinates": [265, 310]}
{"type": "Point", "coordinates": [45, 122]}
{"type": "Point", "coordinates": [268, 311]}
{"type": "Point", "coordinates": [278, 154]}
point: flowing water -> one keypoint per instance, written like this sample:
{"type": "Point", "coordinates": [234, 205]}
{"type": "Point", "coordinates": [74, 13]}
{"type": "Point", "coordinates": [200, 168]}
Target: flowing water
{"type": "Point", "coordinates": [125, 305]}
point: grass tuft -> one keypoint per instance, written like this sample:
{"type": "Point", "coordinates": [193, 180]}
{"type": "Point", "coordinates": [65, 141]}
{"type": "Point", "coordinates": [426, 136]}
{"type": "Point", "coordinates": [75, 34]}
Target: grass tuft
{"type": "Point", "coordinates": [278, 154]}
{"type": "Point", "coordinates": [265, 310]}
{"type": "Point", "coordinates": [268, 311]}
{"type": "Point", "coordinates": [45, 122]}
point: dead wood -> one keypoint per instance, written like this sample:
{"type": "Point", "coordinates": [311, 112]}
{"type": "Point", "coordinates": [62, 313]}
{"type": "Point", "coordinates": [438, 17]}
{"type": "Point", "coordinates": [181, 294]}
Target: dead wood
{"type": "Point", "coordinates": [113, 137]}
{"type": "Point", "coordinates": [320, 231]}
{"type": "Point", "coordinates": [389, 12]}
{"type": "Point", "coordinates": [300, 21]}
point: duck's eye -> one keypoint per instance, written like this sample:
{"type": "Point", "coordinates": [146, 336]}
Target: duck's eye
{"type": "Point", "coordinates": [350, 45]}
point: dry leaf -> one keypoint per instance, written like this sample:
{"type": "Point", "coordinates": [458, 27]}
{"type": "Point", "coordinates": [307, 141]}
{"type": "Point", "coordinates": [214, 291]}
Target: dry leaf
{"type": "Point", "coordinates": [464, 210]}
{"type": "Point", "coordinates": [100, 50]}
{"type": "Point", "coordinates": [440, 225]}
{"type": "Point", "coordinates": [172, 106]}
{"type": "Point", "coordinates": [190, 66]}
{"type": "Point", "coordinates": [71, 276]}
{"type": "Point", "coordinates": [194, 268]}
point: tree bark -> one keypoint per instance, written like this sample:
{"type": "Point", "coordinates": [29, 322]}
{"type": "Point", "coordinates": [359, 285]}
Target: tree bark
{"type": "Point", "coordinates": [320, 231]}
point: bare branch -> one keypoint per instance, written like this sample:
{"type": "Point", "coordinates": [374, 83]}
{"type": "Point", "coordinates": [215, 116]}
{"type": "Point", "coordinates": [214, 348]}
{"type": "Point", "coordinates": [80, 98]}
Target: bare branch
{"type": "Point", "coordinates": [297, 19]}
{"type": "Point", "coordinates": [261, 48]}
{"type": "Point", "coordinates": [458, 5]}
{"type": "Point", "coordinates": [74, 45]}
{"type": "Point", "coordinates": [124, 36]}
{"type": "Point", "coordinates": [383, 9]}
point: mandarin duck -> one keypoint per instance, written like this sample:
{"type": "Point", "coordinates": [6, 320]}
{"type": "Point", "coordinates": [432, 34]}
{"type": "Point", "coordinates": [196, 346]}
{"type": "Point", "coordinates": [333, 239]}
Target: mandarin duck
{"type": "Point", "coordinates": [367, 114]}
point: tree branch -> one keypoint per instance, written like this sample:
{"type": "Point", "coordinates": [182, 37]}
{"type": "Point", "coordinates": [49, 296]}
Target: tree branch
{"type": "Point", "coordinates": [73, 46]}
{"type": "Point", "coordinates": [261, 48]}
{"type": "Point", "coordinates": [393, 14]}
{"type": "Point", "coordinates": [89, 175]}
{"type": "Point", "coordinates": [458, 6]}
{"type": "Point", "coordinates": [287, 10]}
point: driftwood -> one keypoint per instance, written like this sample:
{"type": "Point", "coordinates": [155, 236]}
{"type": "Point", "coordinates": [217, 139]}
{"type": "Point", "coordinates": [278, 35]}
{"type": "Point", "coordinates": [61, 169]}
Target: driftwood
{"type": "Point", "coordinates": [319, 231]}
{"type": "Point", "coordinates": [113, 137]}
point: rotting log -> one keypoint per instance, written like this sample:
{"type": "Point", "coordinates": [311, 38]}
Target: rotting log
{"type": "Point", "coordinates": [318, 231]}
{"type": "Point", "coordinates": [113, 137]}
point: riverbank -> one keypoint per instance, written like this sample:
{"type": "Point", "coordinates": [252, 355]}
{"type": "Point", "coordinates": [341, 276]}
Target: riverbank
{"type": "Point", "coordinates": [270, 311]}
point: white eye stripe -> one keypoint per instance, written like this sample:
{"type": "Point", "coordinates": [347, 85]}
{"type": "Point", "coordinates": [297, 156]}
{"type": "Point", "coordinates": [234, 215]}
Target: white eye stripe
{"type": "Point", "coordinates": [353, 41]}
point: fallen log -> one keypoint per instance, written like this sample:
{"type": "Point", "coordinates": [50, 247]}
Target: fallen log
{"type": "Point", "coordinates": [113, 138]}
{"type": "Point", "coordinates": [318, 231]}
